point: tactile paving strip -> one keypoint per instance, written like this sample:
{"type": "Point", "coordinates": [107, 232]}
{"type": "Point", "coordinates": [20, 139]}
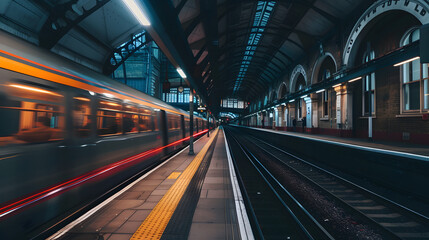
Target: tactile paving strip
{"type": "Point", "coordinates": [155, 224]}
{"type": "Point", "coordinates": [180, 223]}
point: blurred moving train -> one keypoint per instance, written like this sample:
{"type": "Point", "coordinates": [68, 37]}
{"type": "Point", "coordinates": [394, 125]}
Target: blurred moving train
{"type": "Point", "coordinates": [68, 135]}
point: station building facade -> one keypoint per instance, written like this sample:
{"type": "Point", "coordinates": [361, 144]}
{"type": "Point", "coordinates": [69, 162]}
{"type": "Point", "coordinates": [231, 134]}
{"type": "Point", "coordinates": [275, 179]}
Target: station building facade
{"type": "Point", "coordinates": [388, 103]}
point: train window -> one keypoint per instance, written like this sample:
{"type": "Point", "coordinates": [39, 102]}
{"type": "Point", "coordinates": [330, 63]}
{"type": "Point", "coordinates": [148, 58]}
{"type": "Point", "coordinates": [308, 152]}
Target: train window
{"type": "Point", "coordinates": [27, 116]}
{"type": "Point", "coordinates": [109, 118]}
{"type": "Point", "coordinates": [155, 121]}
{"type": "Point", "coordinates": [173, 122]}
{"type": "Point", "coordinates": [178, 122]}
{"type": "Point", "coordinates": [145, 123]}
{"type": "Point", "coordinates": [131, 119]}
{"type": "Point", "coordinates": [145, 120]}
{"type": "Point", "coordinates": [81, 116]}
{"type": "Point", "coordinates": [33, 92]}
{"type": "Point", "coordinates": [187, 122]}
{"type": "Point", "coordinates": [169, 123]}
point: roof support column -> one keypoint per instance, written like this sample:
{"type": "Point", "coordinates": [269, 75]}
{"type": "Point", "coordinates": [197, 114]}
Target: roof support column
{"type": "Point", "coordinates": [208, 123]}
{"type": "Point", "coordinates": [191, 122]}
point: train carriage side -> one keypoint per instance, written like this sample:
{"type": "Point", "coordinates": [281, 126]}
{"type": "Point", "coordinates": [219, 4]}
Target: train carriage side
{"type": "Point", "coordinates": [68, 129]}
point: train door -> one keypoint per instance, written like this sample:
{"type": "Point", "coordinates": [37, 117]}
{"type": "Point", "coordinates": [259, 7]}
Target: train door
{"type": "Point", "coordinates": [182, 126]}
{"type": "Point", "coordinates": [81, 119]}
{"type": "Point", "coordinates": [163, 127]}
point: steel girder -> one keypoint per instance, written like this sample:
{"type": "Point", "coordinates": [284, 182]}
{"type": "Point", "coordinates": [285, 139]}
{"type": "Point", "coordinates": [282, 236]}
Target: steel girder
{"type": "Point", "coordinates": [63, 17]}
{"type": "Point", "coordinates": [166, 30]}
{"type": "Point", "coordinates": [122, 53]}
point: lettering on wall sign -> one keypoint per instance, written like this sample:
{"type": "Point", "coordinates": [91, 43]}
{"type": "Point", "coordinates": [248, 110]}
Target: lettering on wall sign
{"type": "Point", "coordinates": [418, 8]}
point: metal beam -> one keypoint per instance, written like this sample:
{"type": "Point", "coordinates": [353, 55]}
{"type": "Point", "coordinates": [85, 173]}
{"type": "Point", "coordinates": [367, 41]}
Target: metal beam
{"type": "Point", "coordinates": [258, 55]}
{"type": "Point", "coordinates": [264, 60]}
{"type": "Point", "coordinates": [166, 30]}
{"type": "Point", "coordinates": [63, 17]}
{"type": "Point", "coordinates": [192, 25]}
{"type": "Point", "coordinates": [122, 53]}
{"type": "Point", "coordinates": [200, 52]}
{"type": "Point", "coordinates": [180, 6]}
{"type": "Point", "coordinates": [257, 67]}
{"type": "Point", "coordinates": [266, 31]}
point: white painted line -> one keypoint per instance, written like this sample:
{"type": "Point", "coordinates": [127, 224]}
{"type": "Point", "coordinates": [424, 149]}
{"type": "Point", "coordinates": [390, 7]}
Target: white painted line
{"type": "Point", "coordinates": [377, 150]}
{"type": "Point", "coordinates": [243, 220]}
{"type": "Point", "coordinates": [82, 218]}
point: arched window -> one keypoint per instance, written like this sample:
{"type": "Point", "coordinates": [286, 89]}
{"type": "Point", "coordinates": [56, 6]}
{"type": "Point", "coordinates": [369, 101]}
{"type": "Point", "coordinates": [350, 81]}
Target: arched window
{"type": "Point", "coordinates": [300, 84]}
{"type": "Point", "coordinates": [368, 88]}
{"type": "Point", "coordinates": [414, 81]}
{"type": "Point", "coordinates": [325, 94]}
{"type": "Point", "coordinates": [283, 91]}
{"type": "Point", "coordinates": [273, 96]}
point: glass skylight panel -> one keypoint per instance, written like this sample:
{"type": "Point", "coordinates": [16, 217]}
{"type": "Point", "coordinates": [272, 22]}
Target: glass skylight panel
{"type": "Point", "coordinates": [262, 15]}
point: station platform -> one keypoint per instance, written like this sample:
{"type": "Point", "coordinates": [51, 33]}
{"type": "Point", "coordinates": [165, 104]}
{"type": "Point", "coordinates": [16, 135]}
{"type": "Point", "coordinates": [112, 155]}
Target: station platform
{"type": "Point", "coordinates": [185, 197]}
{"type": "Point", "coordinates": [399, 147]}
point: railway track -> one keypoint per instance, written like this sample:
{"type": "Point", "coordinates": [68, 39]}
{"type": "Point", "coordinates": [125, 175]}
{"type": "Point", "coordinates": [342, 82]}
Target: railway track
{"type": "Point", "coordinates": [394, 220]}
{"type": "Point", "coordinates": [276, 213]}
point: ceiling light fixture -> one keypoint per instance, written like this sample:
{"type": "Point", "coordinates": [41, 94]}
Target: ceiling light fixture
{"type": "Point", "coordinates": [137, 12]}
{"type": "Point", "coordinates": [355, 79]}
{"type": "Point", "coordinates": [406, 61]}
{"type": "Point", "coordinates": [181, 73]}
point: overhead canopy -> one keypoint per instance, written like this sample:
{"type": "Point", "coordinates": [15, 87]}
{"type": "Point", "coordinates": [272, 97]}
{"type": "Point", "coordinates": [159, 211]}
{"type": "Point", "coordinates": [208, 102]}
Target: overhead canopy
{"type": "Point", "coordinates": [227, 48]}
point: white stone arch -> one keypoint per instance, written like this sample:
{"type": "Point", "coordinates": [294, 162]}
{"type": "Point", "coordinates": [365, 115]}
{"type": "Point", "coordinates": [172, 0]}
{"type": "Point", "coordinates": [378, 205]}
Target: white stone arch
{"type": "Point", "coordinates": [316, 67]}
{"type": "Point", "coordinates": [417, 8]}
{"type": "Point", "coordinates": [282, 84]}
{"type": "Point", "coordinates": [299, 69]}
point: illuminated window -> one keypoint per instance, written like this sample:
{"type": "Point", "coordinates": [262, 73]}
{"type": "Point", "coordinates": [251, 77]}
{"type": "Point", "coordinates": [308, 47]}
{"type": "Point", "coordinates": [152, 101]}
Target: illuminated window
{"type": "Point", "coordinates": [30, 114]}
{"type": "Point", "coordinates": [415, 83]}
{"type": "Point", "coordinates": [176, 97]}
{"type": "Point", "coordinates": [130, 119]}
{"type": "Point", "coordinates": [300, 107]}
{"type": "Point", "coordinates": [145, 123]}
{"type": "Point", "coordinates": [82, 116]}
{"type": "Point", "coordinates": [325, 94]}
{"type": "Point", "coordinates": [109, 119]}
{"type": "Point", "coordinates": [368, 96]}
{"type": "Point", "coordinates": [173, 122]}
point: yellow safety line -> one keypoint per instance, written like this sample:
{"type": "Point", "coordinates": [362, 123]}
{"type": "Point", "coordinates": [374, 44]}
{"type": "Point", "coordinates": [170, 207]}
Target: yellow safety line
{"type": "Point", "coordinates": [155, 224]}
{"type": "Point", "coordinates": [174, 175]}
